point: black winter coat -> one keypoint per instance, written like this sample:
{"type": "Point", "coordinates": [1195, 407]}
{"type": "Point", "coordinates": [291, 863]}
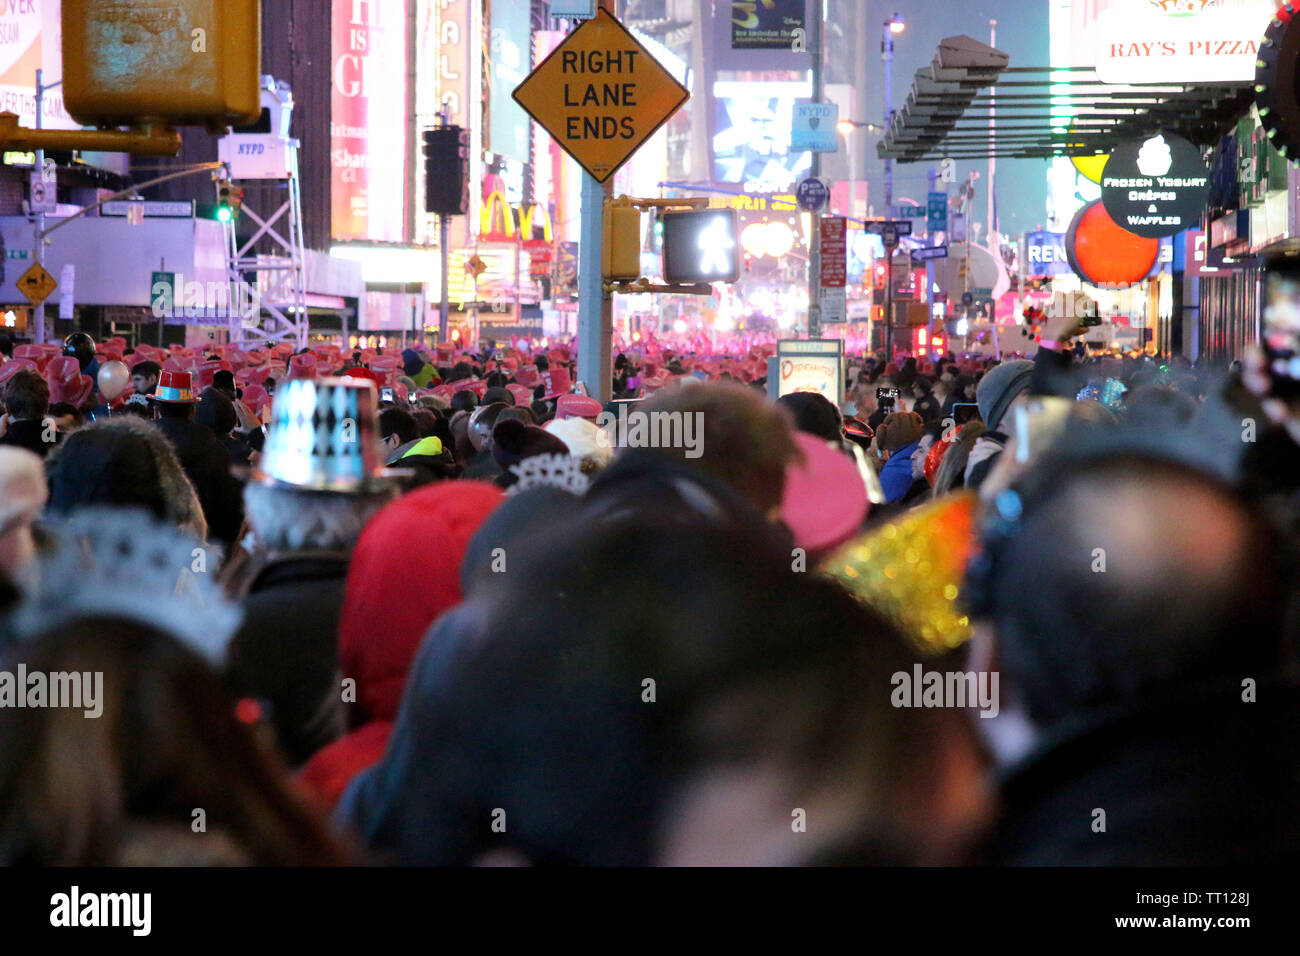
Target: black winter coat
{"type": "Point", "coordinates": [207, 463]}
{"type": "Point", "coordinates": [286, 654]}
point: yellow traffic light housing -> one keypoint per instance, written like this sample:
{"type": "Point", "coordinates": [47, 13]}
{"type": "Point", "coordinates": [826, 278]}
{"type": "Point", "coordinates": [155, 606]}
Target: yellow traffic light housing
{"type": "Point", "coordinates": [621, 253]}
{"type": "Point", "coordinates": [179, 62]}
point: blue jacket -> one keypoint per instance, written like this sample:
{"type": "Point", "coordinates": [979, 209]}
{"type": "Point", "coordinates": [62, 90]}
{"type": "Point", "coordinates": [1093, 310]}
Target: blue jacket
{"type": "Point", "coordinates": [896, 476]}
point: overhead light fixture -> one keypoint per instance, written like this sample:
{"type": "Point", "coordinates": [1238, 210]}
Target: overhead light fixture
{"type": "Point", "coordinates": [896, 25]}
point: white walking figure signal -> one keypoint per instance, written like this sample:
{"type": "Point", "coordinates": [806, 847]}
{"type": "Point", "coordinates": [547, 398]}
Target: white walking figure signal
{"type": "Point", "coordinates": [716, 243]}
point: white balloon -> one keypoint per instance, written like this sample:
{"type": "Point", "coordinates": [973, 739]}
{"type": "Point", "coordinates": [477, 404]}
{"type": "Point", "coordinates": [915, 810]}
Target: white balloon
{"type": "Point", "coordinates": [113, 377]}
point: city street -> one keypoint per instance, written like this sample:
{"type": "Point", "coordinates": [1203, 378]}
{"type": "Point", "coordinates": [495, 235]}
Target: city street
{"type": "Point", "coordinates": [649, 434]}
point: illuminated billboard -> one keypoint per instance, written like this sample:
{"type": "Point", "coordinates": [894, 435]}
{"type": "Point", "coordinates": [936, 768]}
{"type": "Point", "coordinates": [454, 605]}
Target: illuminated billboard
{"type": "Point", "coordinates": [31, 39]}
{"type": "Point", "coordinates": [368, 119]}
{"type": "Point", "coordinates": [510, 65]}
{"type": "Point", "coordinates": [751, 136]}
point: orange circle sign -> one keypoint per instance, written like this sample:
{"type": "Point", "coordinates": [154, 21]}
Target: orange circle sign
{"type": "Point", "coordinates": [1103, 254]}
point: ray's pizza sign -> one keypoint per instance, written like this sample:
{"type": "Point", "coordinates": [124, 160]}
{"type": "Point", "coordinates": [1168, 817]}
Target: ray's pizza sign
{"type": "Point", "coordinates": [1180, 41]}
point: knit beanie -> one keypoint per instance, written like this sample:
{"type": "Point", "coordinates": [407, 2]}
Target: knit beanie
{"type": "Point", "coordinates": [513, 441]}
{"type": "Point", "coordinates": [999, 388]}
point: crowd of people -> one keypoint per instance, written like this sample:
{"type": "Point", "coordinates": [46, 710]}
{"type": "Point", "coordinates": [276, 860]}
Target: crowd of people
{"type": "Point", "coordinates": [428, 607]}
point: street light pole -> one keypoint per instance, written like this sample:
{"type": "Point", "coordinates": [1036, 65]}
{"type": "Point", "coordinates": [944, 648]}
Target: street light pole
{"type": "Point", "coordinates": [892, 26]}
{"type": "Point", "coordinates": [38, 251]}
{"type": "Point", "coordinates": [816, 39]}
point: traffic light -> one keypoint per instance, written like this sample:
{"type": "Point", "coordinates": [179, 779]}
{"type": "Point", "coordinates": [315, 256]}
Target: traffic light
{"type": "Point", "coordinates": [446, 171]}
{"type": "Point", "coordinates": [621, 253]}
{"type": "Point", "coordinates": [701, 246]}
{"type": "Point", "coordinates": [229, 200]}
{"type": "Point", "coordinates": [178, 62]}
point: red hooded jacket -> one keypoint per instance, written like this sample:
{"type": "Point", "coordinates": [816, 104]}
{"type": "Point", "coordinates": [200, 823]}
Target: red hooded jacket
{"type": "Point", "coordinates": [404, 574]}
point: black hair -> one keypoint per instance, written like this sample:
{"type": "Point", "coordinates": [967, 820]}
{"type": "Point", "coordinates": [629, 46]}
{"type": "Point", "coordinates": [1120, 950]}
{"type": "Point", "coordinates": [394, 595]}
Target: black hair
{"type": "Point", "coordinates": [147, 369]}
{"type": "Point", "coordinates": [106, 466]}
{"type": "Point", "coordinates": [1074, 635]}
{"type": "Point", "coordinates": [179, 410]}
{"type": "Point", "coordinates": [498, 394]}
{"type": "Point", "coordinates": [26, 395]}
{"type": "Point", "coordinates": [464, 400]}
{"type": "Point", "coordinates": [813, 413]}
{"type": "Point", "coordinates": [59, 409]}
{"type": "Point", "coordinates": [395, 420]}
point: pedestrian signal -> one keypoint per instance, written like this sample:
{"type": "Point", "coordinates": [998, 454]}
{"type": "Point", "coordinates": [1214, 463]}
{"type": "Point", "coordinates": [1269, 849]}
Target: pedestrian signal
{"type": "Point", "coordinates": [701, 246]}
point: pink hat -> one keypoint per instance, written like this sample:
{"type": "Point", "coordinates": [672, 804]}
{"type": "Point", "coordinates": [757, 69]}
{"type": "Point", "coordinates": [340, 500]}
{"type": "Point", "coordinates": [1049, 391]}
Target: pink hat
{"type": "Point", "coordinates": [557, 381]}
{"type": "Point", "coordinates": [446, 391]}
{"type": "Point", "coordinates": [654, 382]}
{"type": "Point", "coordinates": [255, 397]}
{"type": "Point", "coordinates": [256, 356]}
{"type": "Point", "coordinates": [578, 406]}
{"type": "Point", "coordinates": [302, 366]}
{"type": "Point", "coordinates": [825, 498]}
{"type": "Point", "coordinates": [522, 393]}
{"type": "Point", "coordinates": [11, 368]}
{"type": "Point", "coordinates": [386, 366]}
{"type": "Point", "coordinates": [250, 376]}
{"type": "Point", "coordinates": [66, 382]}
{"type": "Point", "coordinates": [476, 385]}
{"type": "Point", "coordinates": [208, 371]}
{"type": "Point", "coordinates": [528, 376]}
{"type": "Point", "coordinates": [33, 353]}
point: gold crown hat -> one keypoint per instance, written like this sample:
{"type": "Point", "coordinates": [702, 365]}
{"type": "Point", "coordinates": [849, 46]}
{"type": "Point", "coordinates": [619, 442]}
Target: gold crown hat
{"type": "Point", "coordinates": [911, 569]}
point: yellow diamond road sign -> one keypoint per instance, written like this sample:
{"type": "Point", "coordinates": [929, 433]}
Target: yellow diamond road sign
{"type": "Point", "coordinates": [601, 94]}
{"type": "Point", "coordinates": [36, 284]}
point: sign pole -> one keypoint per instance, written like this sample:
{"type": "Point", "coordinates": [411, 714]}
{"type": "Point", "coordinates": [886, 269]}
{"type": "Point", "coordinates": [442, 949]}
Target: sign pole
{"type": "Point", "coordinates": [595, 306]}
{"type": "Point", "coordinates": [815, 241]}
{"type": "Point", "coordinates": [39, 241]}
{"type": "Point", "coordinates": [889, 301]}
{"type": "Point", "coordinates": [444, 309]}
{"type": "Point", "coordinates": [929, 272]}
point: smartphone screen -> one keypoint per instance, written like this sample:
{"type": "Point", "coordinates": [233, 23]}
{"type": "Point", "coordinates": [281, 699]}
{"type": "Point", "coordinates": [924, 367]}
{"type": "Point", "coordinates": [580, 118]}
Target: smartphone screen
{"type": "Point", "coordinates": [963, 412]}
{"type": "Point", "coordinates": [385, 394]}
{"type": "Point", "coordinates": [1281, 317]}
{"type": "Point", "coordinates": [887, 397]}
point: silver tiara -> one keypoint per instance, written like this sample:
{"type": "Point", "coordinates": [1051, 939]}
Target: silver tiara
{"type": "Point", "coordinates": [124, 564]}
{"type": "Point", "coordinates": [549, 471]}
